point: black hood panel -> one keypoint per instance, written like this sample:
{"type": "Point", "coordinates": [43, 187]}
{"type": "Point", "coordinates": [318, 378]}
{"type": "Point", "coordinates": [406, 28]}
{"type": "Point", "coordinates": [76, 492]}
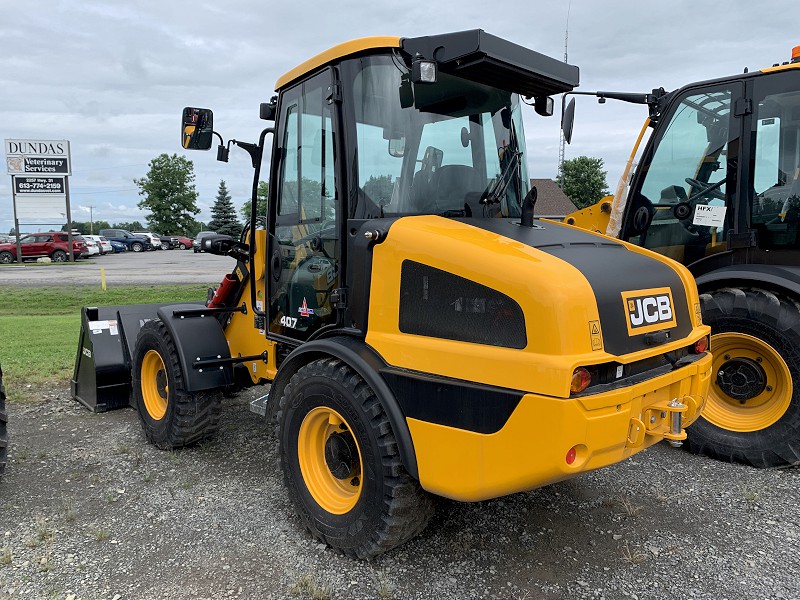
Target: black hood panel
{"type": "Point", "coordinates": [610, 268]}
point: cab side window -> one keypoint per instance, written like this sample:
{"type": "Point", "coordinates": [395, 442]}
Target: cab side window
{"type": "Point", "coordinates": [689, 182]}
{"type": "Point", "coordinates": [304, 241]}
{"type": "Point", "coordinates": [775, 211]}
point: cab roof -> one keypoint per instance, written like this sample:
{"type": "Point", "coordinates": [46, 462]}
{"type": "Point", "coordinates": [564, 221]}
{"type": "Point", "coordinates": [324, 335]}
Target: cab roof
{"type": "Point", "coordinates": [473, 54]}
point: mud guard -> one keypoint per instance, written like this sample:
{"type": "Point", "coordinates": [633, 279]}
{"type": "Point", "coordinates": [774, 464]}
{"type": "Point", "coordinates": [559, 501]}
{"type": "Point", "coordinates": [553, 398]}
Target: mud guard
{"type": "Point", "coordinates": [199, 339]}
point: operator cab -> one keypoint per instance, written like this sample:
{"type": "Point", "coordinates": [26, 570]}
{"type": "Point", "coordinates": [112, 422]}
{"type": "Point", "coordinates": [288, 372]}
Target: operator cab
{"type": "Point", "coordinates": [384, 128]}
{"type": "Point", "coordinates": [723, 172]}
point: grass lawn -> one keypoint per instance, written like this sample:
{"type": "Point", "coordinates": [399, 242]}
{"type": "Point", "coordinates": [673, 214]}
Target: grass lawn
{"type": "Point", "coordinates": [39, 327]}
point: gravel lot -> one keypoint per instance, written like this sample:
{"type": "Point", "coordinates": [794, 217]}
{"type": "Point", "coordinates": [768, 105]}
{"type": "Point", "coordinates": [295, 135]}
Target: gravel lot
{"type": "Point", "coordinates": [90, 510]}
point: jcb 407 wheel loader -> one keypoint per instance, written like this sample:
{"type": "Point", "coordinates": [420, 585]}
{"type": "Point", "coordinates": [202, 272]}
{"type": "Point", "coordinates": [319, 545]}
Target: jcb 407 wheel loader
{"type": "Point", "coordinates": [717, 187]}
{"type": "Point", "coordinates": [421, 331]}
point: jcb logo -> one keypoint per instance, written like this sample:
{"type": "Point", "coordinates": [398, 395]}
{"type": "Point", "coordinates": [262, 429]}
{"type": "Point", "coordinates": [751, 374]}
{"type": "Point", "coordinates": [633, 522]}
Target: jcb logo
{"type": "Point", "coordinates": [649, 310]}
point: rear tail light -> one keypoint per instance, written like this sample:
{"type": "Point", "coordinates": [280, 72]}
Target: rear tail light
{"type": "Point", "coordinates": [701, 345]}
{"type": "Point", "coordinates": [581, 378]}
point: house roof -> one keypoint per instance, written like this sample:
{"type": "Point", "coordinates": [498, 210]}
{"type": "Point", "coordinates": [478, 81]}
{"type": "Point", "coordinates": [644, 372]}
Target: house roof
{"type": "Point", "coordinates": [551, 201]}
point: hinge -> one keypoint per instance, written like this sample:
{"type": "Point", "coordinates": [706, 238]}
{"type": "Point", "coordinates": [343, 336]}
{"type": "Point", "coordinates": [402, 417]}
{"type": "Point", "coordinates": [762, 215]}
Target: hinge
{"type": "Point", "coordinates": [334, 92]}
{"type": "Point", "coordinates": [743, 106]}
{"type": "Point", "coordinates": [745, 239]}
{"type": "Point", "coordinates": [339, 298]}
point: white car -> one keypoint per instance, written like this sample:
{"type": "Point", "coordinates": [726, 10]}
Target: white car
{"type": "Point", "coordinates": [154, 238]}
{"type": "Point", "coordinates": [103, 244]}
{"type": "Point", "coordinates": [92, 247]}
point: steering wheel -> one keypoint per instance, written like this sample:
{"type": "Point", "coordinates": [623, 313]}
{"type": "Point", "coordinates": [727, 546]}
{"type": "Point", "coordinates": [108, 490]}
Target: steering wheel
{"type": "Point", "coordinates": [710, 190]}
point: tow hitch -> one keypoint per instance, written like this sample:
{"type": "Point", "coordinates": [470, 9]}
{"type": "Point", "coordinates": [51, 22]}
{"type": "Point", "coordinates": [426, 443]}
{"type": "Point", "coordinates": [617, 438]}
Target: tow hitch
{"type": "Point", "coordinates": [665, 420]}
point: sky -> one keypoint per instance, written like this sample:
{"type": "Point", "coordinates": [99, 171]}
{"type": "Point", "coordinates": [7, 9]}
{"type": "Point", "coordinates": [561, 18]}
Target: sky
{"type": "Point", "coordinates": [113, 77]}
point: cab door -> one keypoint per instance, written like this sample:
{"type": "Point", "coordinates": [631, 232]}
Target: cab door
{"type": "Point", "coordinates": [683, 197]}
{"type": "Point", "coordinates": [303, 232]}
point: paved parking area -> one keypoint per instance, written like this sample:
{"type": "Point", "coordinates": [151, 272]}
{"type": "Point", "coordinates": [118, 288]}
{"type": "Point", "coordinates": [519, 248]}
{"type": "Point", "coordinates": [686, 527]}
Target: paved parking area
{"type": "Point", "coordinates": [156, 267]}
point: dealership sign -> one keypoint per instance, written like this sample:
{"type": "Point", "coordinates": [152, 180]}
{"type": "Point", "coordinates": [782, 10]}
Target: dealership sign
{"type": "Point", "coordinates": [38, 157]}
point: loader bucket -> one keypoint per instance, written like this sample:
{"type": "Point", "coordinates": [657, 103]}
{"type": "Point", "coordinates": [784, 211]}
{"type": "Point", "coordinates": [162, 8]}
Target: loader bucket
{"type": "Point", "coordinates": [101, 380]}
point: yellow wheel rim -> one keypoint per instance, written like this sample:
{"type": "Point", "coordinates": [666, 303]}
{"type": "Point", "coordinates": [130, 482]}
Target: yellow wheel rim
{"type": "Point", "coordinates": [330, 460]}
{"type": "Point", "coordinates": [155, 387]}
{"type": "Point", "coordinates": [751, 384]}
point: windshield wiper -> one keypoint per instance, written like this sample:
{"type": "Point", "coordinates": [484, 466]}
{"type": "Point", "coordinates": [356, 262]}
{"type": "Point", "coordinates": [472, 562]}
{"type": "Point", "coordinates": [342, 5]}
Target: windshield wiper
{"type": "Point", "coordinates": [500, 186]}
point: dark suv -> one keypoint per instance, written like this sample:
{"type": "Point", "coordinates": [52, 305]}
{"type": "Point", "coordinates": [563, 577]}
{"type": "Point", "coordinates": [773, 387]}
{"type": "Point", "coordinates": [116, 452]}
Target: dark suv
{"type": "Point", "coordinates": [136, 243]}
{"type": "Point", "coordinates": [53, 244]}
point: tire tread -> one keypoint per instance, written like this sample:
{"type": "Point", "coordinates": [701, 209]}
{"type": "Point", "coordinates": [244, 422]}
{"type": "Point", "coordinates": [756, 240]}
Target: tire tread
{"type": "Point", "coordinates": [406, 507]}
{"type": "Point", "coordinates": [764, 314]}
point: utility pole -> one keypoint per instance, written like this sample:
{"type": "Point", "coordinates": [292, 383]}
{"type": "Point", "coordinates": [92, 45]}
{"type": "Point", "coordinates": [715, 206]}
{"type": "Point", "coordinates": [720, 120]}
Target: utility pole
{"type": "Point", "coordinates": [562, 142]}
{"type": "Point", "coordinates": [91, 220]}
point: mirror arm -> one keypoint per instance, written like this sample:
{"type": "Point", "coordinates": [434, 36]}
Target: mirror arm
{"type": "Point", "coordinates": [254, 150]}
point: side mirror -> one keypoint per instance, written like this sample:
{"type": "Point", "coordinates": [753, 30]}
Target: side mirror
{"type": "Point", "coordinates": [568, 120]}
{"type": "Point", "coordinates": [269, 110]}
{"type": "Point", "coordinates": [197, 128]}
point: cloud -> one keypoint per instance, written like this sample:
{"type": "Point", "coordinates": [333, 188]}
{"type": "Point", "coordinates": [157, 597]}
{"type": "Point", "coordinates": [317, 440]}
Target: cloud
{"type": "Point", "coordinates": [113, 77]}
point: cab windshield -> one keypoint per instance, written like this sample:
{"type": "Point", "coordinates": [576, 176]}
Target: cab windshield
{"type": "Point", "coordinates": [453, 148]}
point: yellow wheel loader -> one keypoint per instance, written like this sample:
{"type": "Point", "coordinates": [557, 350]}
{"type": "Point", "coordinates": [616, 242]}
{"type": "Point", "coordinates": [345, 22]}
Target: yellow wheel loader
{"type": "Point", "coordinates": [717, 187]}
{"type": "Point", "coordinates": [421, 331]}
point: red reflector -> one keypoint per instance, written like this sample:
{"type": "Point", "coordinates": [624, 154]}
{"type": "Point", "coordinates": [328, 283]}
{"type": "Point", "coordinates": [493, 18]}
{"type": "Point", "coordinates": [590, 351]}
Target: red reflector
{"type": "Point", "coordinates": [701, 345]}
{"type": "Point", "coordinates": [571, 454]}
{"type": "Point", "coordinates": [581, 378]}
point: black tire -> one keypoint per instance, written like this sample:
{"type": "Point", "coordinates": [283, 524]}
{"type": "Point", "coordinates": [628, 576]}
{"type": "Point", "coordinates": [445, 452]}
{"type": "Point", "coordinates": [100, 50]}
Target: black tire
{"type": "Point", "coordinates": [6, 257]}
{"type": "Point", "coordinates": [137, 247]}
{"type": "Point", "coordinates": [182, 246]}
{"type": "Point", "coordinates": [757, 336]}
{"type": "Point", "coordinates": [164, 246]}
{"type": "Point", "coordinates": [185, 418]}
{"type": "Point", "coordinates": [390, 506]}
{"type": "Point", "coordinates": [59, 256]}
{"type": "Point", "coordinates": [3, 425]}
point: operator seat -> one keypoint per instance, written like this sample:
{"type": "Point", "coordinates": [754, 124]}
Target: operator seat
{"type": "Point", "coordinates": [451, 185]}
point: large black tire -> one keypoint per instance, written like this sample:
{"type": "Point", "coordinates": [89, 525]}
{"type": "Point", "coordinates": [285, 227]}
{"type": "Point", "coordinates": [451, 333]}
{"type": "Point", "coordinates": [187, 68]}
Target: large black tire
{"type": "Point", "coordinates": [6, 257]}
{"type": "Point", "coordinates": [753, 411]}
{"type": "Point", "coordinates": [171, 416]}
{"type": "Point", "coordinates": [137, 247]}
{"type": "Point", "coordinates": [3, 425]}
{"type": "Point", "coordinates": [59, 256]}
{"type": "Point", "coordinates": [363, 502]}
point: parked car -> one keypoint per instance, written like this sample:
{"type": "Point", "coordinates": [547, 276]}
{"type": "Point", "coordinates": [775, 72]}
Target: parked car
{"type": "Point", "coordinates": [137, 243]}
{"type": "Point", "coordinates": [53, 244]}
{"type": "Point", "coordinates": [182, 242]}
{"type": "Point", "coordinates": [117, 246]}
{"type": "Point", "coordinates": [155, 239]}
{"type": "Point", "coordinates": [102, 243]}
{"type": "Point", "coordinates": [92, 247]}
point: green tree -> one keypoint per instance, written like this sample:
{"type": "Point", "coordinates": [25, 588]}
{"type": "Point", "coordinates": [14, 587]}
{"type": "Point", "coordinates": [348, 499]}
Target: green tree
{"type": "Point", "coordinates": [379, 189]}
{"type": "Point", "coordinates": [223, 214]}
{"type": "Point", "coordinates": [169, 194]}
{"type": "Point", "coordinates": [583, 180]}
{"type": "Point", "coordinates": [262, 198]}
{"type": "Point", "coordinates": [129, 226]}
{"type": "Point", "coordinates": [86, 227]}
